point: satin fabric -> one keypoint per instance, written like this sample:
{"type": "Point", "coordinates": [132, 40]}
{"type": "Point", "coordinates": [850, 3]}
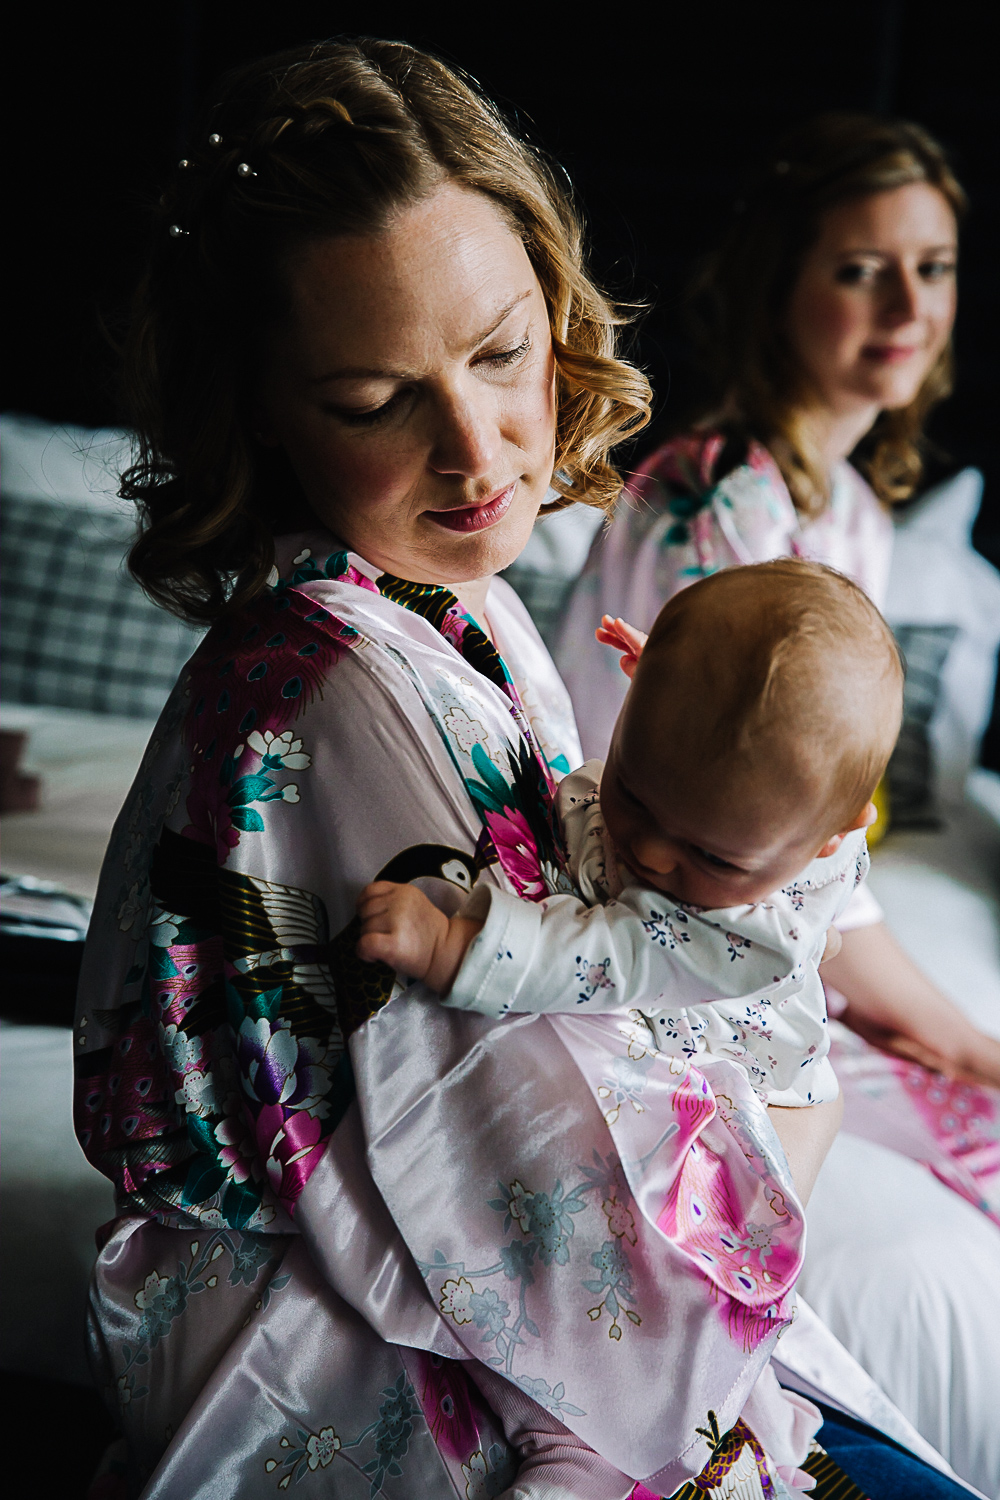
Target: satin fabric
{"type": "Point", "coordinates": [636, 1272]}
{"type": "Point", "coordinates": [244, 1372]}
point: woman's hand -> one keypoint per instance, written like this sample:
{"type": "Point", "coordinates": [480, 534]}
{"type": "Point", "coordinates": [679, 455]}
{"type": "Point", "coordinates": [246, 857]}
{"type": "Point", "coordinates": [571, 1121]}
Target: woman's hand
{"type": "Point", "coordinates": [402, 928]}
{"type": "Point", "coordinates": [624, 638]}
{"type": "Point", "coordinates": [893, 1005]}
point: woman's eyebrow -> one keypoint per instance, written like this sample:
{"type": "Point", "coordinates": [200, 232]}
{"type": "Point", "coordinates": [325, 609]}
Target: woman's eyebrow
{"type": "Point", "coordinates": [948, 247]}
{"type": "Point", "coordinates": [515, 302]}
{"type": "Point", "coordinates": [361, 372]}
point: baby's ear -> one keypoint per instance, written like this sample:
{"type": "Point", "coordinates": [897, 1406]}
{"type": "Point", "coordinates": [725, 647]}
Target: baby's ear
{"type": "Point", "coordinates": [865, 818]}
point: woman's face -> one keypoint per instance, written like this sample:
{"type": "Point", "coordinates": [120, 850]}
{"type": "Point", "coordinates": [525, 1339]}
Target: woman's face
{"type": "Point", "coordinates": [413, 389]}
{"type": "Point", "coordinates": [875, 299]}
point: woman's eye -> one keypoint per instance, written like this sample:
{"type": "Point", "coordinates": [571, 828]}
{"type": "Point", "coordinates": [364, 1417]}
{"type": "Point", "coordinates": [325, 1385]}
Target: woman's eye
{"type": "Point", "coordinates": [375, 415]}
{"type": "Point", "coordinates": [507, 356]}
{"type": "Point", "coordinates": [855, 274]}
{"type": "Point", "coordinates": [936, 270]}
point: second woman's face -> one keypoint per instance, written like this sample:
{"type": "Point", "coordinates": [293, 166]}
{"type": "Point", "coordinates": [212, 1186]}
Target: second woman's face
{"type": "Point", "coordinates": [413, 389]}
{"type": "Point", "coordinates": [874, 303]}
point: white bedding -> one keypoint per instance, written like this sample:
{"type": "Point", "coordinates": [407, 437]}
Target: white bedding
{"type": "Point", "coordinates": [903, 1271]}
{"type": "Point", "coordinates": [52, 1199]}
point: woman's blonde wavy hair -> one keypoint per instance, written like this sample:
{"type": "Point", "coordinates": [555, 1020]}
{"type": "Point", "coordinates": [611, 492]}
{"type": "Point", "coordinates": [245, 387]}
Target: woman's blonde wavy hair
{"type": "Point", "coordinates": [325, 140]}
{"type": "Point", "coordinates": [738, 300]}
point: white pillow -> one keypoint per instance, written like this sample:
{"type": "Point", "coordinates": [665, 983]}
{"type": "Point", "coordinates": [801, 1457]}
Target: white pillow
{"type": "Point", "coordinates": [70, 466]}
{"type": "Point", "coordinates": [937, 579]}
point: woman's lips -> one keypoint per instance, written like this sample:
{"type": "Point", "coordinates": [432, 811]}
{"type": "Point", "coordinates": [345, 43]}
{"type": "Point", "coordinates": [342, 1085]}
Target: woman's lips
{"type": "Point", "coordinates": [475, 517]}
{"type": "Point", "coordinates": [890, 354]}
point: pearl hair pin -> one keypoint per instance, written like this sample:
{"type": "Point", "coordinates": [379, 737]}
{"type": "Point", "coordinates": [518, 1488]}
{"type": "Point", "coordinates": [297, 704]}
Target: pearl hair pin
{"type": "Point", "coordinates": [176, 232]}
{"type": "Point", "coordinates": [183, 163]}
{"type": "Point", "coordinates": [246, 170]}
{"type": "Point", "coordinates": [215, 140]}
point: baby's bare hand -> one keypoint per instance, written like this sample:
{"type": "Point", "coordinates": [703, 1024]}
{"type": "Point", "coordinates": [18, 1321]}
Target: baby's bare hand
{"type": "Point", "coordinates": [624, 638]}
{"type": "Point", "coordinates": [399, 927]}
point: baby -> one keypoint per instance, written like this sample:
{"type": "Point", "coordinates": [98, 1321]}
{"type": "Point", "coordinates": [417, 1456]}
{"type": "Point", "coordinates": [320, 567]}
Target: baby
{"type": "Point", "coordinates": [713, 850]}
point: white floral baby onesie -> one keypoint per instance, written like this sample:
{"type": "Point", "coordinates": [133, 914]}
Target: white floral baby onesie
{"type": "Point", "coordinates": [629, 948]}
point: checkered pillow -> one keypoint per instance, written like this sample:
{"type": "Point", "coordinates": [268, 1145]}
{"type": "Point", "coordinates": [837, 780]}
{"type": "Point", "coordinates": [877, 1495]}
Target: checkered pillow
{"type": "Point", "coordinates": [77, 631]}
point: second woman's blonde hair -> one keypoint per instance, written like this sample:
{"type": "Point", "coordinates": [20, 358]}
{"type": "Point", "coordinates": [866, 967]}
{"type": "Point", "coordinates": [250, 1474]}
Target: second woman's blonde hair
{"type": "Point", "coordinates": [740, 297]}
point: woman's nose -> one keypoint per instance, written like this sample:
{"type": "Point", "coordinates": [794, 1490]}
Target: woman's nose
{"type": "Point", "coordinates": [467, 438]}
{"type": "Point", "coordinates": [901, 303]}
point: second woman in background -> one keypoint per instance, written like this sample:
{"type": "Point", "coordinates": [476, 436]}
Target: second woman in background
{"type": "Point", "coordinates": [825, 320]}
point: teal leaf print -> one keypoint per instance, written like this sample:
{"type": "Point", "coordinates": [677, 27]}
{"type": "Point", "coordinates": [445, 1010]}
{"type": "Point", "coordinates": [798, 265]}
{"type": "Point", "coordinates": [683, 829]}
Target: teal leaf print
{"type": "Point", "coordinates": [493, 792]}
{"type": "Point", "coordinates": [249, 789]}
{"type": "Point", "coordinates": [263, 1006]}
{"type": "Point", "coordinates": [239, 1204]}
{"type": "Point", "coordinates": [247, 820]}
{"type": "Point", "coordinates": [203, 1181]}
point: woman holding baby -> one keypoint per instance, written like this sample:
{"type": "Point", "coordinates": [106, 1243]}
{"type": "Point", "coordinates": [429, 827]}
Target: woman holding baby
{"type": "Point", "coordinates": [366, 1242]}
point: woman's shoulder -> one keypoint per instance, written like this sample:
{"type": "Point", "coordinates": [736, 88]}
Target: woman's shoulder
{"type": "Point", "coordinates": [700, 462]}
{"type": "Point", "coordinates": [707, 499]}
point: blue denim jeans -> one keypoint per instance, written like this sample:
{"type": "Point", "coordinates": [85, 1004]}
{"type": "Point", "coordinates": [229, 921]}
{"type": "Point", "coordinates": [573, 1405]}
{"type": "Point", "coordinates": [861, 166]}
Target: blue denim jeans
{"type": "Point", "coordinates": [878, 1466]}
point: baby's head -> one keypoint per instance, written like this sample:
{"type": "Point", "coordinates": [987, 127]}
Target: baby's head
{"type": "Point", "coordinates": [762, 714]}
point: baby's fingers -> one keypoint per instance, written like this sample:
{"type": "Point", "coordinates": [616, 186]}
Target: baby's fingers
{"type": "Point", "coordinates": [376, 947]}
{"type": "Point", "coordinates": [377, 888]}
{"type": "Point", "coordinates": [623, 637]}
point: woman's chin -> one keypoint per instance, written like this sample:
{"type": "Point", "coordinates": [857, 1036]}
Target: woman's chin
{"type": "Point", "coordinates": [481, 554]}
{"type": "Point", "coordinates": [891, 390]}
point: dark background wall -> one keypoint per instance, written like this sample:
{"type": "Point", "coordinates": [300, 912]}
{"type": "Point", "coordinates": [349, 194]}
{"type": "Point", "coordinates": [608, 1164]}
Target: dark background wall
{"type": "Point", "coordinates": [654, 110]}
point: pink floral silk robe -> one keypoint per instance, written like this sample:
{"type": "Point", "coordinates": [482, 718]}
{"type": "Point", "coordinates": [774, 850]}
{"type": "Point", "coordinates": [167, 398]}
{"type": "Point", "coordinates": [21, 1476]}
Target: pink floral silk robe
{"type": "Point", "coordinates": [310, 1235]}
{"type": "Point", "coordinates": [676, 524]}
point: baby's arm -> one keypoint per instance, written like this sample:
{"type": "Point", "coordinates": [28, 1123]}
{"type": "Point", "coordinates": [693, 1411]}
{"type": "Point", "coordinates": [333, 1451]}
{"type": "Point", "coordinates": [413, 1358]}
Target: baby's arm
{"type": "Point", "coordinates": [505, 954]}
{"type": "Point", "coordinates": [807, 1135]}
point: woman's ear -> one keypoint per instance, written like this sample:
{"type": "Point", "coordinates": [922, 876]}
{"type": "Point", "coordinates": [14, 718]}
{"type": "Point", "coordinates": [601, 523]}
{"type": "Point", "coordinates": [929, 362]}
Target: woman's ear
{"type": "Point", "coordinates": [865, 818]}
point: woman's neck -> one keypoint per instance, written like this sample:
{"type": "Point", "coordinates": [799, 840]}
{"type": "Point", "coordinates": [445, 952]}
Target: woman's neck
{"type": "Point", "coordinates": [472, 598]}
{"type": "Point", "coordinates": [836, 432]}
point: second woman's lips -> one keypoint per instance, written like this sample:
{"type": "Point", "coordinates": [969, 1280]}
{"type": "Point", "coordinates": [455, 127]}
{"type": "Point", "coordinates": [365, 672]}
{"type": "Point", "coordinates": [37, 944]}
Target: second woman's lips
{"type": "Point", "coordinates": [890, 354]}
{"type": "Point", "coordinates": [475, 517]}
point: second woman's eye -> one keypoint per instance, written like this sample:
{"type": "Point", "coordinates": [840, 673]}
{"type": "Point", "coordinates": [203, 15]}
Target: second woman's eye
{"type": "Point", "coordinates": [855, 273]}
{"type": "Point", "coordinates": [936, 269]}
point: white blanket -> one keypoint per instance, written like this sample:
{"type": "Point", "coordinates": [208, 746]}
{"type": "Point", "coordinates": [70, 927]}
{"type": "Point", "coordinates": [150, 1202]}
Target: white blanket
{"type": "Point", "coordinates": [902, 1270]}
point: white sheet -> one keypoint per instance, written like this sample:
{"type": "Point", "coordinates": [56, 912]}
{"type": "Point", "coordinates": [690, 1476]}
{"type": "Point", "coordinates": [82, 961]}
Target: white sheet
{"type": "Point", "coordinates": [53, 1200]}
{"type": "Point", "coordinates": [904, 1272]}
